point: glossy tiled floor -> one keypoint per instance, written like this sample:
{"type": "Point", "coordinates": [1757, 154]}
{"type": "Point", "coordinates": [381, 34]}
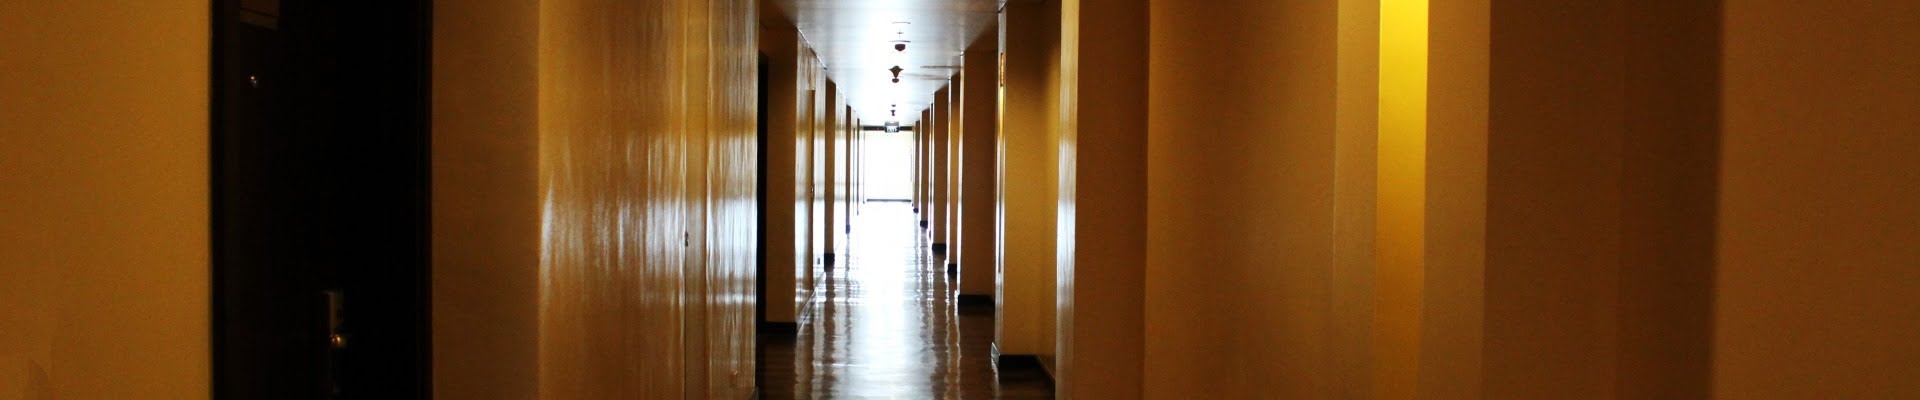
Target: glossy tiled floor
{"type": "Point", "coordinates": [885, 326]}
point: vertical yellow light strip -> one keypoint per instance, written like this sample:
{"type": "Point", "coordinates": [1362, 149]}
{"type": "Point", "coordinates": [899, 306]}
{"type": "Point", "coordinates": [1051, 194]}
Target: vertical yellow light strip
{"type": "Point", "coordinates": [1400, 240]}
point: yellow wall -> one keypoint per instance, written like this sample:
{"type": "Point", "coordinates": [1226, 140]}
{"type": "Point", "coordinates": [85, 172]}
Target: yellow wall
{"type": "Point", "coordinates": [1028, 170]}
{"type": "Point", "coordinates": [980, 99]}
{"type": "Point", "coordinates": [486, 199]}
{"type": "Point", "coordinates": [1103, 199]}
{"type": "Point", "coordinates": [646, 262]}
{"type": "Point", "coordinates": [1569, 265]}
{"type": "Point", "coordinates": [104, 253]}
{"type": "Point", "coordinates": [1673, 237]}
{"type": "Point", "coordinates": [1553, 201]}
{"type": "Point", "coordinates": [612, 166]}
{"type": "Point", "coordinates": [1355, 162]}
{"type": "Point", "coordinates": [1379, 239]}
{"type": "Point", "coordinates": [1239, 199]}
{"type": "Point", "coordinates": [723, 58]}
{"type": "Point", "coordinates": [1669, 186]}
{"type": "Point", "coordinates": [1818, 202]}
{"type": "Point", "coordinates": [1456, 208]}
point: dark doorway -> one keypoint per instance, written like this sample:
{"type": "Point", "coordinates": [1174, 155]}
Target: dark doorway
{"type": "Point", "coordinates": [320, 199]}
{"type": "Point", "coordinates": [760, 221]}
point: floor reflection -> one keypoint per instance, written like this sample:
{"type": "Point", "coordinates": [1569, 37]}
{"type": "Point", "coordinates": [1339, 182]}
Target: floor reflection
{"type": "Point", "coordinates": [886, 326]}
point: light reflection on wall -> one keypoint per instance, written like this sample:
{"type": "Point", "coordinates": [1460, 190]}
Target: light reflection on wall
{"type": "Point", "coordinates": [1400, 241]}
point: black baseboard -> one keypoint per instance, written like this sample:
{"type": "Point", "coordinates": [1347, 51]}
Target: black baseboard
{"type": "Point", "coordinates": [975, 300]}
{"type": "Point", "coordinates": [1021, 362]}
{"type": "Point", "coordinates": [1022, 367]}
{"type": "Point", "coordinates": [939, 248]}
{"type": "Point", "coordinates": [772, 328]}
{"type": "Point", "coordinates": [827, 258]}
{"type": "Point", "coordinates": [953, 269]}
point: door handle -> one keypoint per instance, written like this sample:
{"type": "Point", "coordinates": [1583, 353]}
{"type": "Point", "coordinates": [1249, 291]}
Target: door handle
{"type": "Point", "coordinates": [336, 342]}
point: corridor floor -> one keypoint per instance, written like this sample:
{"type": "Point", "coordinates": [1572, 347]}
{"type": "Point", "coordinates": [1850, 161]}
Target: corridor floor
{"type": "Point", "coordinates": [885, 326]}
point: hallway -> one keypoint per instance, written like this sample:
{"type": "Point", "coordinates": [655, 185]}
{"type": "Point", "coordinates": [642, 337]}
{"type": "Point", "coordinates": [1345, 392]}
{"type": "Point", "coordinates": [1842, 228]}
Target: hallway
{"type": "Point", "coordinates": [885, 326]}
{"type": "Point", "coordinates": [959, 199]}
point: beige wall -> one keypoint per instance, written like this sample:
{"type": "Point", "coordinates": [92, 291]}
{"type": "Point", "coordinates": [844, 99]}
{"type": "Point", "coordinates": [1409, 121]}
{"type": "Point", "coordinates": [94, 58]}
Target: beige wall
{"type": "Point", "coordinates": [980, 113]}
{"type": "Point", "coordinates": [104, 250]}
{"type": "Point", "coordinates": [1028, 143]}
{"type": "Point", "coordinates": [1818, 202]}
{"type": "Point", "coordinates": [1103, 199]}
{"type": "Point", "coordinates": [486, 200]}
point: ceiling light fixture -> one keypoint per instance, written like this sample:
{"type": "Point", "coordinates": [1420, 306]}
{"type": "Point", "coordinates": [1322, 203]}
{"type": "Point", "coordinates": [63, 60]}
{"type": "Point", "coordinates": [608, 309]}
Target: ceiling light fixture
{"type": "Point", "coordinates": [900, 36]}
{"type": "Point", "coordinates": [896, 73]}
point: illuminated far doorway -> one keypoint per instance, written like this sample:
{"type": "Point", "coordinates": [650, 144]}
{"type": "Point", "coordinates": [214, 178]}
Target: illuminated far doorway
{"type": "Point", "coordinates": [889, 163]}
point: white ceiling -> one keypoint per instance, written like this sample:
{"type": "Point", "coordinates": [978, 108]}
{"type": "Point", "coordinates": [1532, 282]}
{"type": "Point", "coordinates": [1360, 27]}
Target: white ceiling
{"type": "Point", "coordinates": [855, 40]}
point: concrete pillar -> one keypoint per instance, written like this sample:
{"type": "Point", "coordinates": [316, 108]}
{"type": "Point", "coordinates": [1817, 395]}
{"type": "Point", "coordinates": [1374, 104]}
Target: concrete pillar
{"type": "Point", "coordinates": [805, 156]}
{"type": "Point", "coordinates": [926, 130]}
{"type": "Point", "coordinates": [1028, 172]}
{"type": "Point", "coordinates": [831, 132]}
{"type": "Point", "coordinates": [923, 179]}
{"type": "Point", "coordinates": [980, 99]}
{"type": "Point", "coordinates": [937, 172]}
{"type": "Point", "coordinates": [817, 191]}
{"type": "Point", "coordinates": [848, 127]}
{"type": "Point", "coordinates": [913, 178]}
{"type": "Point", "coordinates": [780, 43]}
{"type": "Point", "coordinates": [1102, 208]}
{"type": "Point", "coordinates": [956, 132]}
